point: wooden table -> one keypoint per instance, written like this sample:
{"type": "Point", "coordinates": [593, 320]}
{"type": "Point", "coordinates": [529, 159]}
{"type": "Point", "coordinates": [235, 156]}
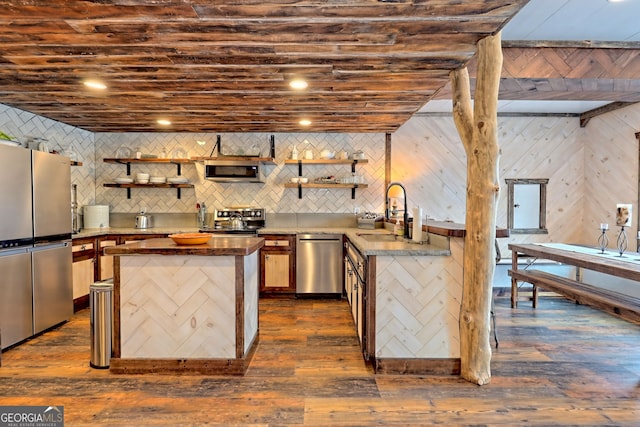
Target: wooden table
{"type": "Point", "coordinates": [627, 267]}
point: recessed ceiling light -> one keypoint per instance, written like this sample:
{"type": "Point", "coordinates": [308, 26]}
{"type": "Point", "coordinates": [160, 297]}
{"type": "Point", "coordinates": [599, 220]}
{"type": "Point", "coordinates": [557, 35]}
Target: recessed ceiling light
{"type": "Point", "coordinates": [304, 122]}
{"type": "Point", "coordinates": [164, 122]}
{"type": "Point", "coordinates": [94, 84]}
{"type": "Point", "coordinates": [298, 84]}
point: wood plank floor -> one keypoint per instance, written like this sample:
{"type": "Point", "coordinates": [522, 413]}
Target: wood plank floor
{"type": "Point", "coordinates": [561, 364]}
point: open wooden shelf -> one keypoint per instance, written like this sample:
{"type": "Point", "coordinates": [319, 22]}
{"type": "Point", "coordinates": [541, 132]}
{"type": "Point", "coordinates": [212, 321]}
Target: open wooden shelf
{"type": "Point", "coordinates": [124, 161]}
{"type": "Point", "coordinates": [325, 161]}
{"type": "Point", "coordinates": [134, 185]}
{"type": "Point", "coordinates": [179, 187]}
{"type": "Point", "coordinates": [265, 160]}
{"type": "Point", "coordinates": [323, 185]}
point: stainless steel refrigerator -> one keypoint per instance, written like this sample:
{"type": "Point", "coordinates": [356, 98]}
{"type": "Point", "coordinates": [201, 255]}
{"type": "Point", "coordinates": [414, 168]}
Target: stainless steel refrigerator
{"type": "Point", "coordinates": [36, 290]}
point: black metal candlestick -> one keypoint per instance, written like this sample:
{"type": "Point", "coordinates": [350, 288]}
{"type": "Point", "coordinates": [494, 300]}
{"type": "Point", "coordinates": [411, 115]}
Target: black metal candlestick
{"type": "Point", "coordinates": [622, 240]}
{"type": "Point", "coordinates": [603, 240]}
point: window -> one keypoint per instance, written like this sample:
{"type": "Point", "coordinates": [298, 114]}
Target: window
{"type": "Point", "coordinates": [527, 206]}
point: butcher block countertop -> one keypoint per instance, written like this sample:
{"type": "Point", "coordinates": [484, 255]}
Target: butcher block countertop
{"type": "Point", "coordinates": [217, 246]}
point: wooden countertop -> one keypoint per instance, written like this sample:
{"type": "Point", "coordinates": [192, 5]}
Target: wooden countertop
{"type": "Point", "coordinates": [217, 246]}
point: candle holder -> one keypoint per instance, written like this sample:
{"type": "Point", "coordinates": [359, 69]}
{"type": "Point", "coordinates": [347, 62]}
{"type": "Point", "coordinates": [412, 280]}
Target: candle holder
{"type": "Point", "coordinates": [603, 240]}
{"type": "Point", "coordinates": [622, 240]}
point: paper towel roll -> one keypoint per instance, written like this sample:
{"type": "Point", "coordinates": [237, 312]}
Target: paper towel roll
{"type": "Point", "coordinates": [417, 224]}
{"type": "Point", "coordinates": [96, 216]}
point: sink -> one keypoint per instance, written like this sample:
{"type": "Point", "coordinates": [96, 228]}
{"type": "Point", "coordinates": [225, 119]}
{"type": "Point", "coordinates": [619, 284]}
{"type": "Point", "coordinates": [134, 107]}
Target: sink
{"type": "Point", "coordinates": [379, 237]}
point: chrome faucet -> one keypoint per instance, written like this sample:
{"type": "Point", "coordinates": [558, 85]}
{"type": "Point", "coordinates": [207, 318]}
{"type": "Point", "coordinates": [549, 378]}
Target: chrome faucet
{"type": "Point", "coordinates": [405, 216]}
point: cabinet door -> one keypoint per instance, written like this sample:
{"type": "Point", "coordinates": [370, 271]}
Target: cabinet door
{"type": "Point", "coordinates": [83, 268]}
{"type": "Point", "coordinates": [278, 264]}
{"type": "Point", "coordinates": [276, 270]}
{"type": "Point", "coordinates": [359, 310]}
{"type": "Point", "coordinates": [82, 277]}
{"type": "Point", "coordinates": [106, 261]}
{"type": "Point", "coordinates": [348, 280]}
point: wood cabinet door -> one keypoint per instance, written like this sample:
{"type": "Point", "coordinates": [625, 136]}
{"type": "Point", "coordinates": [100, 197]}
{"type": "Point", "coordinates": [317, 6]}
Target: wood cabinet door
{"type": "Point", "coordinates": [82, 277]}
{"type": "Point", "coordinates": [106, 261]}
{"type": "Point", "coordinates": [83, 267]}
{"type": "Point", "coordinates": [276, 270]}
{"type": "Point", "coordinates": [278, 264]}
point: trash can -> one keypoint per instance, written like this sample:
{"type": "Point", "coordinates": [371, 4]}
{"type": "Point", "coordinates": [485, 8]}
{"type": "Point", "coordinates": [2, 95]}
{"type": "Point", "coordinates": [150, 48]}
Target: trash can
{"type": "Point", "coordinates": [101, 309]}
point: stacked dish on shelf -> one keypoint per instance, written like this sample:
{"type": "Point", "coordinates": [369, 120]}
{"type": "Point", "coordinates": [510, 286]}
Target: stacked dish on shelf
{"type": "Point", "coordinates": [142, 178]}
{"type": "Point", "coordinates": [124, 180]}
{"type": "Point", "coordinates": [158, 180]}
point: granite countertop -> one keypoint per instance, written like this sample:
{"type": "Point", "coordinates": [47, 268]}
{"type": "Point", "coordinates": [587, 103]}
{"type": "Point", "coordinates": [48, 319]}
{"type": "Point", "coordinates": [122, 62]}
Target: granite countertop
{"type": "Point", "coordinates": [397, 247]}
{"type": "Point", "coordinates": [439, 232]}
{"type": "Point", "coordinates": [218, 245]}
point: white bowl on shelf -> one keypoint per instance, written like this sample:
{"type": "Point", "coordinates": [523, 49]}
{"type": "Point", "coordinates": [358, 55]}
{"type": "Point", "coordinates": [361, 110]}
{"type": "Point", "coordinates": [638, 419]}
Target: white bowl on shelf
{"type": "Point", "coordinates": [142, 181]}
{"type": "Point", "coordinates": [327, 154]}
{"type": "Point", "coordinates": [124, 180]}
{"type": "Point", "coordinates": [295, 179]}
{"type": "Point", "coordinates": [303, 180]}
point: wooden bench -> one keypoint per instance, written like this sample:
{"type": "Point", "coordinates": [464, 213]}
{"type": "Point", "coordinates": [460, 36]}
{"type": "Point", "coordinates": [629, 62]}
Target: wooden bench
{"type": "Point", "coordinates": [624, 306]}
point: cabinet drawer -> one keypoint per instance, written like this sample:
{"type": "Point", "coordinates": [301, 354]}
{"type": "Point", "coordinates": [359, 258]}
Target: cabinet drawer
{"type": "Point", "coordinates": [277, 243]}
{"type": "Point", "coordinates": [285, 242]}
{"type": "Point", "coordinates": [80, 247]}
{"type": "Point", "coordinates": [83, 250]}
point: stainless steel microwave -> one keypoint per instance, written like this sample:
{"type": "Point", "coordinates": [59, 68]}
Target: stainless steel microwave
{"type": "Point", "coordinates": [233, 171]}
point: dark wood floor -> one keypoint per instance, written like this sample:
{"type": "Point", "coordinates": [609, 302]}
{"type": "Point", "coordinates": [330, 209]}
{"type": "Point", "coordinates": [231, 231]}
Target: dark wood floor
{"type": "Point", "coordinates": [561, 364]}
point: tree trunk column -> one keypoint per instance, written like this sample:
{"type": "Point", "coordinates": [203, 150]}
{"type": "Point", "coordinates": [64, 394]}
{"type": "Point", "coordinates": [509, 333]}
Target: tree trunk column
{"type": "Point", "coordinates": [478, 131]}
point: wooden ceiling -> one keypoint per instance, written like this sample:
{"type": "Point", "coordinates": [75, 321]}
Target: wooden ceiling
{"type": "Point", "coordinates": [212, 66]}
{"type": "Point", "coordinates": [563, 71]}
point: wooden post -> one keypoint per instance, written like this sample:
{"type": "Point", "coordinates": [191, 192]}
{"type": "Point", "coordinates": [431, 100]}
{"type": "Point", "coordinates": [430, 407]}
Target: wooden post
{"type": "Point", "coordinates": [478, 130]}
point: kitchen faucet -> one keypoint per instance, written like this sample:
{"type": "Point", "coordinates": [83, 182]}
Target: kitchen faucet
{"type": "Point", "coordinates": [405, 216]}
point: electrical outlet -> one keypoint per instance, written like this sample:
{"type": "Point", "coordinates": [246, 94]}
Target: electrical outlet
{"type": "Point", "coordinates": [356, 210]}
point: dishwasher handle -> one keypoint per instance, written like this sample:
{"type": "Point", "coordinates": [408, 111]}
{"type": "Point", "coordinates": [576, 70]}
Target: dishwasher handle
{"type": "Point", "coordinates": [319, 238]}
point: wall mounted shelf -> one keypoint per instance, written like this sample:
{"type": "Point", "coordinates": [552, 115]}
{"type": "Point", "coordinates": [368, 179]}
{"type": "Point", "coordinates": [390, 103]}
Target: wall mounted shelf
{"type": "Point", "coordinates": [129, 162]}
{"type": "Point", "coordinates": [130, 186]}
{"type": "Point", "coordinates": [300, 162]}
{"type": "Point", "coordinates": [264, 160]}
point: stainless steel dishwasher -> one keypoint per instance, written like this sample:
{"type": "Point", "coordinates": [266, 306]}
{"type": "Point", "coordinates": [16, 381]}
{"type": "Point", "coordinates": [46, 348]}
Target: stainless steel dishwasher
{"type": "Point", "coordinates": [319, 264]}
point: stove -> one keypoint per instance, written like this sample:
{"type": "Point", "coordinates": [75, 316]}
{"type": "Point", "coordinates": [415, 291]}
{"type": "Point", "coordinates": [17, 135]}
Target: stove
{"type": "Point", "coordinates": [225, 220]}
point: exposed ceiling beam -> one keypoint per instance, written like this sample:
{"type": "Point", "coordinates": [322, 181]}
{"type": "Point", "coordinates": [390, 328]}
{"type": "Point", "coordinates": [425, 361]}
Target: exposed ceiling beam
{"type": "Point", "coordinates": [588, 115]}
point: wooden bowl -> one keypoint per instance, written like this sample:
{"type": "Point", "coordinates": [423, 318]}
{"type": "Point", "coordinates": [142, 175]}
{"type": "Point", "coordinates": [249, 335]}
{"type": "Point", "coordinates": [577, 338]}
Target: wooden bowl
{"type": "Point", "coordinates": [191, 238]}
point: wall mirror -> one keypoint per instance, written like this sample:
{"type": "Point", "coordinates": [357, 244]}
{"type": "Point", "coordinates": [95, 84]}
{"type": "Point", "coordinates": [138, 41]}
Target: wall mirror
{"type": "Point", "coordinates": [527, 206]}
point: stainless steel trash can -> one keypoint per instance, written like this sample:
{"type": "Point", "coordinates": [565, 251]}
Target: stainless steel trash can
{"type": "Point", "coordinates": [101, 309]}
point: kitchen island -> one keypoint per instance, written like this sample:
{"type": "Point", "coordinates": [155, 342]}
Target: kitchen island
{"type": "Point", "coordinates": [185, 308]}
